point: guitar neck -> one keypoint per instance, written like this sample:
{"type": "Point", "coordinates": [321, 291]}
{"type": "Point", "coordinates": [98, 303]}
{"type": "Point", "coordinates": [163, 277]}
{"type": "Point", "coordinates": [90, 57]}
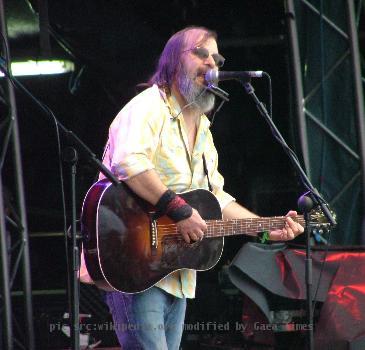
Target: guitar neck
{"type": "Point", "coordinates": [250, 227]}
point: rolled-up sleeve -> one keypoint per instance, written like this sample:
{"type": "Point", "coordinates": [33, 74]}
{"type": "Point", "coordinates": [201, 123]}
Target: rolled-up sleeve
{"type": "Point", "coordinates": [134, 137]}
{"type": "Point", "coordinates": [223, 197]}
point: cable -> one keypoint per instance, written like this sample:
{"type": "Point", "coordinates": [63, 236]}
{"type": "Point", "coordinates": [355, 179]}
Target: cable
{"type": "Point", "coordinates": [216, 111]}
{"type": "Point", "coordinates": [267, 76]}
{"type": "Point", "coordinates": [323, 110]}
{"type": "Point", "coordinates": [47, 110]}
{"type": "Point", "coordinates": [294, 158]}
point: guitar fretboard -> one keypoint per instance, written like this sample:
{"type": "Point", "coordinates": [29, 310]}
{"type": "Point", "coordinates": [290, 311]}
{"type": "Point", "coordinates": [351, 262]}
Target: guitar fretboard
{"type": "Point", "coordinates": [251, 226]}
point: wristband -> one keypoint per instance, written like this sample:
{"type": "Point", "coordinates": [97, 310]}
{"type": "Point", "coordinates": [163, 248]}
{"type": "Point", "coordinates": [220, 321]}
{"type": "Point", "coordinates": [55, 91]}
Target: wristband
{"type": "Point", "coordinates": [263, 236]}
{"type": "Point", "coordinates": [173, 206]}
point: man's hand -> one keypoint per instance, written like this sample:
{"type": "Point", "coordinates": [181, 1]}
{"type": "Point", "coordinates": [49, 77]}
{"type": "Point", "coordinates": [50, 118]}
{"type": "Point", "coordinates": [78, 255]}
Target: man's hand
{"type": "Point", "coordinates": [291, 229]}
{"type": "Point", "coordinates": [192, 228]}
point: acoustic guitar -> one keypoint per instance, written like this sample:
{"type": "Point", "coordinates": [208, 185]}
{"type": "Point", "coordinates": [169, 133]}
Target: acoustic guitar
{"type": "Point", "coordinates": [128, 250]}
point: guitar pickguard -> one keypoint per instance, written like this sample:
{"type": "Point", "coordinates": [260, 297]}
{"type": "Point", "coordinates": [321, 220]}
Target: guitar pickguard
{"type": "Point", "coordinates": [177, 252]}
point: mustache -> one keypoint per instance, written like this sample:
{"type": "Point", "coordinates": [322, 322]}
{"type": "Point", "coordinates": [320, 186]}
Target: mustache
{"type": "Point", "coordinates": [201, 73]}
{"type": "Point", "coordinates": [182, 72]}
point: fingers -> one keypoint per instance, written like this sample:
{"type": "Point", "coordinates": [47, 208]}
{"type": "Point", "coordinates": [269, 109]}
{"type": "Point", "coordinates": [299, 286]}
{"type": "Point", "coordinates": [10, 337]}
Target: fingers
{"type": "Point", "coordinates": [295, 226]}
{"type": "Point", "coordinates": [292, 213]}
{"type": "Point", "coordinates": [192, 236]}
{"type": "Point", "coordinates": [186, 237]}
{"type": "Point", "coordinates": [287, 233]}
{"type": "Point", "coordinates": [192, 229]}
{"type": "Point", "coordinates": [196, 236]}
{"type": "Point", "coordinates": [291, 228]}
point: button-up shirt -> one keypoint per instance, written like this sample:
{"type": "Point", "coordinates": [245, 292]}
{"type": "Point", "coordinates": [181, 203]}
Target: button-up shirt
{"type": "Point", "coordinates": [150, 133]}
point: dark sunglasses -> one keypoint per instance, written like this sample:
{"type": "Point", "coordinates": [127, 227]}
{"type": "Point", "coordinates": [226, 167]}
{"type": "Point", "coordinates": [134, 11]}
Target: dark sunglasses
{"type": "Point", "coordinates": [203, 53]}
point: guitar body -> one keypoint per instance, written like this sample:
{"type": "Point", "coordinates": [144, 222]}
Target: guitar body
{"type": "Point", "coordinates": [126, 250]}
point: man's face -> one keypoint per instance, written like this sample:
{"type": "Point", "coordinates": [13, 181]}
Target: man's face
{"type": "Point", "coordinates": [191, 77]}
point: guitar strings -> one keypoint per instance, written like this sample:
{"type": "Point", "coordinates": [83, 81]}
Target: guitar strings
{"type": "Point", "coordinates": [229, 223]}
{"type": "Point", "coordinates": [236, 227]}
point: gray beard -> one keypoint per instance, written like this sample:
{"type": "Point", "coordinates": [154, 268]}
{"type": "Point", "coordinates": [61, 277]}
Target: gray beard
{"type": "Point", "coordinates": [194, 94]}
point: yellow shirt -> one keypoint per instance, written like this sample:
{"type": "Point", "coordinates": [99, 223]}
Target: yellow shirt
{"type": "Point", "coordinates": [149, 133]}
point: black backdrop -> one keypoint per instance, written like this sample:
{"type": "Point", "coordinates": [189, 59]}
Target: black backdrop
{"type": "Point", "coordinates": [115, 46]}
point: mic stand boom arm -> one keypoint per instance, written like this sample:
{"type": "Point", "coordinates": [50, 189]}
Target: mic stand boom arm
{"type": "Point", "coordinates": [312, 191]}
{"type": "Point", "coordinates": [218, 92]}
{"type": "Point", "coordinates": [306, 202]}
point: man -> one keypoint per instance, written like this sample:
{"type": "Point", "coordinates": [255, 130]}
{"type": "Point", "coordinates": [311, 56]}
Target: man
{"type": "Point", "coordinates": [158, 145]}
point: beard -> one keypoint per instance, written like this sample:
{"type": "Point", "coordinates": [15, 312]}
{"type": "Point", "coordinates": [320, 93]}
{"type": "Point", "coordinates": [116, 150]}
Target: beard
{"type": "Point", "coordinates": [194, 93]}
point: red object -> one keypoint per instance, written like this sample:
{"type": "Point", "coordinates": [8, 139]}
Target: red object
{"type": "Point", "coordinates": [176, 203]}
{"type": "Point", "coordinates": [338, 288]}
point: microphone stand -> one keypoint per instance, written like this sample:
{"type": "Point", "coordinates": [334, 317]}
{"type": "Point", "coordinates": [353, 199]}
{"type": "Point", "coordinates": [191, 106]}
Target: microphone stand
{"type": "Point", "coordinates": [70, 155]}
{"type": "Point", "coordinates": [305, 203]}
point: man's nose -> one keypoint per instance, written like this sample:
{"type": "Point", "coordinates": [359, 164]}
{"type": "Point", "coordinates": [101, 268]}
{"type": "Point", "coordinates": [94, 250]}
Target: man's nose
{"type": "Point", "coordinates": [210, 62]}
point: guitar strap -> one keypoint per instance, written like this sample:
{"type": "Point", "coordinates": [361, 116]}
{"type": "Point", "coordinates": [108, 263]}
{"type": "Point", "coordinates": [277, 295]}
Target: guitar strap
{"type": "Point", "coordinates": [206, 173]}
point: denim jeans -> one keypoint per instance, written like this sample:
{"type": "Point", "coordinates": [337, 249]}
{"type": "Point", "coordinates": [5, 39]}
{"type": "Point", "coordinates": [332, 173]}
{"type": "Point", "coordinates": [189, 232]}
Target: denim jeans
{"type": "Point", "coordinates": [151, 320]}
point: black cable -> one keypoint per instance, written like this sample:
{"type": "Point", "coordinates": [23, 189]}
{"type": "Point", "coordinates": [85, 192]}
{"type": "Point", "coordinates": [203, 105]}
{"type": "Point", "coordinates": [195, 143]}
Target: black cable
{"type": "Point", "coordinates": [323, 109]}
{"type": "Point", "coordinates": [7, 72]}
{"type": "Point", "coordinates": [267, 76]}
{"type": "Point", "coordinates": [288, 149]}
{"type": "Point", "coordinates": [216, 111]}
{"type": "Point", "coordinates": [308, 186]}
{"type": "Point", "coordinates": [324, 260]}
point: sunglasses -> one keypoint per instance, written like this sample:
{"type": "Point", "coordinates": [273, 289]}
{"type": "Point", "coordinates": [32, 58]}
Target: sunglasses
{"type": "Point", "coordinates": [203, 54]}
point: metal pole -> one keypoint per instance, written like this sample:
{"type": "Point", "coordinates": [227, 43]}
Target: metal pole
{"type": "Point", "coordinates": [5, 290]}
{"type": "Point", "coordinates": [27, 287]}
{"type": "Point", "coordinates": [71, 157]}
{"type": "Point", "coordinates": [359, 99]}
{"type": "Point", "coordinates": [298, 83]}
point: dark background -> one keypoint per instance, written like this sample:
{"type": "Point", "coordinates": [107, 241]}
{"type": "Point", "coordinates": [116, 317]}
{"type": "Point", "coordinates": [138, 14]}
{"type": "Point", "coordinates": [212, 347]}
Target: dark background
{"type": "Point", "coordinates": [115, 45]}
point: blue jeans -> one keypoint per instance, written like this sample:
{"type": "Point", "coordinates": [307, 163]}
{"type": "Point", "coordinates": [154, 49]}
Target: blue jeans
{"type": "Point", "coordinates": [151, 320]}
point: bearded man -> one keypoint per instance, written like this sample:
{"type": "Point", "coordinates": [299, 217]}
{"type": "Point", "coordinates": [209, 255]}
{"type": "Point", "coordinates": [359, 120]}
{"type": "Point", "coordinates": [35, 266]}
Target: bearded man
{"type": "Point", "coordinates": [160, 145]}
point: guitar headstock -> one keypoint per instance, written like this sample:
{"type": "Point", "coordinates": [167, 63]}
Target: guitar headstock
{"type": "Point", "coordinates": [319, 222]}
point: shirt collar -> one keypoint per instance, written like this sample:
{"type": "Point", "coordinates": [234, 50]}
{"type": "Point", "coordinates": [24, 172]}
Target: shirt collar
{"type": "Point", "coordinates": [173, 106]}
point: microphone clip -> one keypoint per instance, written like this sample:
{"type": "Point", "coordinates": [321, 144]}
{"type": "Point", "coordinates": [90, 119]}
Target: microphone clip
{"type": "Point", "coordinates": [218, 92]}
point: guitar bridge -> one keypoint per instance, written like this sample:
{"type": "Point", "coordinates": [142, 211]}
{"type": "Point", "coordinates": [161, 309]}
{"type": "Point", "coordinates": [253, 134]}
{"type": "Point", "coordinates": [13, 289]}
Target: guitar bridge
{"type": "Point", "coordinates": [154, 233]}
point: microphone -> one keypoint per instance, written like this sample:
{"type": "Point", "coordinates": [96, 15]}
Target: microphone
{"type": "Point", "coordinates": [213, 76]}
